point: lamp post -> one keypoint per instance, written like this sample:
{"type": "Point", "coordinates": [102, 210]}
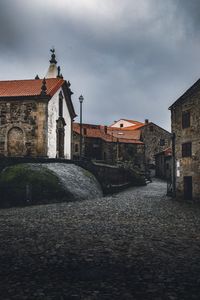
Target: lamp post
{"type": "Point", "coordinates": [81, 102]}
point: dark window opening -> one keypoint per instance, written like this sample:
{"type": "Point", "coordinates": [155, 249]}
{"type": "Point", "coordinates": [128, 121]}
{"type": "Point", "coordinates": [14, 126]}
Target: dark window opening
{"type": "Point", "coordinates": [185, 119]}
{"type": "Point", "coordinates": [151, 128]}
{"type": "Point", "coordinates": [121, 125]}
{"type": "Point", "coordinates": [162, 142]}
{"type": "Point", "coordinates": [84, 131]}
{"type": "Point", "coordinates": [60, 105]}
{"type": "Point", "coordinates": [76, 147]}
{"type": "Point", "coordinates": [187, 149]}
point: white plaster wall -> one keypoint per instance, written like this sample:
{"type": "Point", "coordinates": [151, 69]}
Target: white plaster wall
{"type": "Point", "coordinates": [125, 124]}
{"type": "Point", "coordinates": [53, 109]}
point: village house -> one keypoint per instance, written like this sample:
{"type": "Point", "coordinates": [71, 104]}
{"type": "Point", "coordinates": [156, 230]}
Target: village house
{"type": "Point", "coordinates": [100, 144]}
{"type": "Point", "coordinates": [185, 120]}
{"type": "Point", "coordinates": [36, 116]}
{"type": "Point", "coordinates": [123, 141]}
{"type": "Point", "coordinates": [155, 138]}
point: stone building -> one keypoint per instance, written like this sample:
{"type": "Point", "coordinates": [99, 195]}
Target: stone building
{"type": "Point", "coordinates": [185, 119]}
{"type": "Point", "coordinates": [163, 161]}
{"type": "Point", "coordinates": [124, 140]}
{"type": "Point", "coordinates": [36, 116]}
{"type": "Point", "coordinates": [155, 138]}
{"type": "Point", "coordinates": [102, 145]}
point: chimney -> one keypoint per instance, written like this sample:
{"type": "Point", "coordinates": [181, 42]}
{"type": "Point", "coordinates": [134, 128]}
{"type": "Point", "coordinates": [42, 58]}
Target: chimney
{"type": "Point", "coordinates": [146, 121]}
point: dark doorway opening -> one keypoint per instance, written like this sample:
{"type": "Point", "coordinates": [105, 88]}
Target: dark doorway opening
{"type": "Point", "coordinates": [188, 187]}
{"type": "Point", "coordinates": [60, 132]}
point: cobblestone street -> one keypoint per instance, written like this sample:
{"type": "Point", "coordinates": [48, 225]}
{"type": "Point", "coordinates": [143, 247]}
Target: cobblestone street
{"type": "Point", "coordinates": [137, 244]}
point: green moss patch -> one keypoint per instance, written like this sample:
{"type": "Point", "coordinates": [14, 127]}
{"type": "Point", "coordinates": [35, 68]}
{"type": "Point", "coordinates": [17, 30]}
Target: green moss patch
{"type": "Point", "coordinates": [24, 184]}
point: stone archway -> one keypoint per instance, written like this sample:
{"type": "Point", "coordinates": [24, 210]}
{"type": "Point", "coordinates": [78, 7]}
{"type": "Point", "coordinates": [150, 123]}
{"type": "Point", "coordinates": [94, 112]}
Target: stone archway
{"type": "Point", "coordinates": [15, 142]}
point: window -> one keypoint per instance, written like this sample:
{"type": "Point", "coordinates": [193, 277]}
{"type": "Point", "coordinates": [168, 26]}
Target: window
{"type": "Point", "coordinates": [121, 125]}
{"type": "Point", "coordinates": [185, 119]}
{"type": "Point", "coordinates": [187, 149]}
{"type": "Point", "coordinates": [76, 147]}
{"type": "Point", "coordinates": [151, 128]}
{"type": "Point", "coordinates": [84, 131]}
{"type": "Point", "coordinates": [162, 142]}
{"type": "Point", "coordinates": [60, 104]}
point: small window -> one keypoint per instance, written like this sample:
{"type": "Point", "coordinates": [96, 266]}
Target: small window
{"type": "Point", "coordinates": [76, 147]}
{"type": "Point", "coordinates": [84, 131]}
{"type": "Point", "coordinates": [187, 149]}
{"type": "Point", "coordinates": [121, 125]}
{"type": "Point", "coordinates": [162, 142]}
{"type": "Point", "coordinates": [151, 128]}
{"type": "Point", "coordinates": [185, 119]}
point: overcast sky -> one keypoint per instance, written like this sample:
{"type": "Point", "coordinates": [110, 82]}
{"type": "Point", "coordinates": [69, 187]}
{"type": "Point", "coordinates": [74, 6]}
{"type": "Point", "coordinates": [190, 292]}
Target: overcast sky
{"type": "Point", "coordinates": [129, 58]}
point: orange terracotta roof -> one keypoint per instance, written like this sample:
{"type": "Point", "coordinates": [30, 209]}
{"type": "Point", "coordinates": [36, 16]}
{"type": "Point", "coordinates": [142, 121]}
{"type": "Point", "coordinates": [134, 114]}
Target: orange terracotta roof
{"type": "Point", "coordinates": [132, 121]}
{"type": "Point", "coordinates": [29, 87]}
{"type": "Point", "coordinates": [99, 132]}
{"type": "Point", "coordinates": [135, 123]}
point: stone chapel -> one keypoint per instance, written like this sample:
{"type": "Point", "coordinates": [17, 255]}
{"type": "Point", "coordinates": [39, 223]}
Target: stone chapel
{"type": "Point", "coordinates": [36, 116]}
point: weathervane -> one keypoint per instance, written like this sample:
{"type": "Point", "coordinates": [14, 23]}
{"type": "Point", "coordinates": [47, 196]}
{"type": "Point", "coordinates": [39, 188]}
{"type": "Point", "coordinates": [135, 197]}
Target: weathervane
{"type": "Point", "coordinates": [53, 56]}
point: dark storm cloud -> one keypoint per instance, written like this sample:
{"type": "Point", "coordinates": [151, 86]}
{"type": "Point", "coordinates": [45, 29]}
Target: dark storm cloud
{"type": "Point", "coordinates": [130, 59]}
{"type": "Point", "coordinates": [190, 10]}
{"type": "Point", "coordinates": [9, 32]}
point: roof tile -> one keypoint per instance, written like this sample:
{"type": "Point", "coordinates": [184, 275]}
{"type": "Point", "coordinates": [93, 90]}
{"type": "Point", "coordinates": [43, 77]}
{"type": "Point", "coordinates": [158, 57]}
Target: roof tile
{"type": "Point", "coordinates": [28, 87]}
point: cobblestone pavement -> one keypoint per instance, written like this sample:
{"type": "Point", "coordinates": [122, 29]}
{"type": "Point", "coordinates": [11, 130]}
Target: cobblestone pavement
{"type": "Point", "coordinates": [138, 244]}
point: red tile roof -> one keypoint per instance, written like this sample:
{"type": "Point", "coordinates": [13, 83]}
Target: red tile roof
{"type": "Point", "coordinates": [135, 123]}
{"type": "Point", "coordinates": [29, 87]}
{"type": "Point", "coordinates": [100, 132]}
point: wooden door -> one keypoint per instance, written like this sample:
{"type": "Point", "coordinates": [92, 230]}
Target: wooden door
{"type": "Point", "coordinates": [188, 187]}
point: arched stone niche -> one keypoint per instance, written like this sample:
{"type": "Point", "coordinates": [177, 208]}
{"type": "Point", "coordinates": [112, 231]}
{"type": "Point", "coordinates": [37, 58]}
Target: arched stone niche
{"type": "Point", "coordinates": [15, 142]}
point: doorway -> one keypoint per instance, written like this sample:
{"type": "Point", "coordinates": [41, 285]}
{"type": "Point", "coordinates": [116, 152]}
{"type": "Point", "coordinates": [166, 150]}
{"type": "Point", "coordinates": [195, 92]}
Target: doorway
{"type": "Point", "coordinates": [188, 187]}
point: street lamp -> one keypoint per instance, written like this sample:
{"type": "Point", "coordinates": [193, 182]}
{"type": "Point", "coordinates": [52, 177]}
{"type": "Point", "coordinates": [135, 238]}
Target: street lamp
{"type": "Point", "coordinates": [81, 102]}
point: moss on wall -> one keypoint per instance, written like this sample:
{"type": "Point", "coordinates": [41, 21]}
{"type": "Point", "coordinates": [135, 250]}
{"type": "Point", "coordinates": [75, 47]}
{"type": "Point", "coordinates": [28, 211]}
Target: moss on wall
{"type": "Point", "coordinates": [24, 184]}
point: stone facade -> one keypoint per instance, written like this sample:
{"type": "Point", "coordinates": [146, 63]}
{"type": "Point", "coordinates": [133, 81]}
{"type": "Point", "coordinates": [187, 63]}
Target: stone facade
{"type": "Point", "coordinates": [156, 140]}
{"type": "Point", "coordinates": [185, 118]}
{"type": "Point", "coordinates": [23, 128]}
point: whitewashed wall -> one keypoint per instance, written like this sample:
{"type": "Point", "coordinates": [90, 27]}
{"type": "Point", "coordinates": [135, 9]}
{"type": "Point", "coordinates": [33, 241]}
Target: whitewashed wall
{"type": "Point", "coordinates": [124, 122]}
{"type": "Point", "coordinates": [53, 114]}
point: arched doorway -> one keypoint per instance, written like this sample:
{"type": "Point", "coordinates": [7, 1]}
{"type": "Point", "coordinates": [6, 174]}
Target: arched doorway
{"type": "Point", "coordinates": [15, 142]}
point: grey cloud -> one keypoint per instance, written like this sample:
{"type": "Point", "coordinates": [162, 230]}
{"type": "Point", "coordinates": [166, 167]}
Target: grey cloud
{"type": "Point", "coordinates": [132, 64]}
